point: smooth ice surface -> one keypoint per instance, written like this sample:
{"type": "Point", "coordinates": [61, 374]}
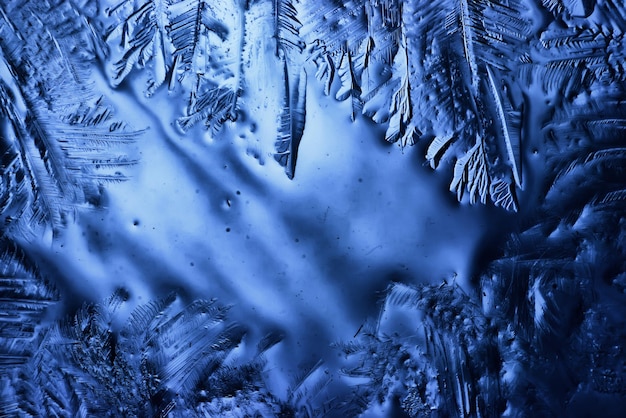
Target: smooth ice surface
{"type": "Point", "coordinates": [211, 221]}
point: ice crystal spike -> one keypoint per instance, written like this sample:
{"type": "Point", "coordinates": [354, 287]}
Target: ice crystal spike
{"type": "Point", "coordinates": [292, 119]}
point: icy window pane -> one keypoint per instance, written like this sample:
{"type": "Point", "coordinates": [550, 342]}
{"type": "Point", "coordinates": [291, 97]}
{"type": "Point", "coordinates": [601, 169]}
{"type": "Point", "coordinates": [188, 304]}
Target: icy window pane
{"type": "Point", "coordinates": [312, 208]}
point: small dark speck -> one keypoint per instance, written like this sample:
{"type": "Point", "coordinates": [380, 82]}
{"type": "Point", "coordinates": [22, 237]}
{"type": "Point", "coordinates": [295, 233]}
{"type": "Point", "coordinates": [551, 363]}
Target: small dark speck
{"type": "Point", "coordinates": [136, 222]}
{"type": "Point", "coordinates": [227, 229]}
{"type": "Point", "coordinates": [360, 180]}
{"type": "Point", "coordinates": [192, 264]}
{"type": "Point", "coordinates": [238, 192]}
{"type": "Point", "coordinates": [297, 240]}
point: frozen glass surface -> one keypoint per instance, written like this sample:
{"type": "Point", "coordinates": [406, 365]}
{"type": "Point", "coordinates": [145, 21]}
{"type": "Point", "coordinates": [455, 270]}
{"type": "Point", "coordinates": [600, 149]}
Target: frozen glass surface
{"type": "Point", "coordinates": [312, 208]}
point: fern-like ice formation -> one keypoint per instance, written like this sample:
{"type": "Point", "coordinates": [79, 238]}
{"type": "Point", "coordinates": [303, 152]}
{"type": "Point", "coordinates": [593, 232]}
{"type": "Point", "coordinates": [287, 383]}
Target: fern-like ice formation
{"type": "Point", "coordinates": [504, 93]}
{"type": "Point", "coordinates": [60, 145]}
{"type": "Point", "coordinates": [61, 140]}
{"type": "Point", "coordinates": [539, 335]}
{"type": "Point", "coordinates": [456, 75]}
{"type": "Point", "coordinates": [194, 44]}
{"type": "Point", "coordinates": [166, 358]}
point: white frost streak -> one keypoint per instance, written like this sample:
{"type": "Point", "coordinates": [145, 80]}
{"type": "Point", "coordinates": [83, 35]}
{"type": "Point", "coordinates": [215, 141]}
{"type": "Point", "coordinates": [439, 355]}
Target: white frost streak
{"type": "Point", "coordinates": [539, 302]}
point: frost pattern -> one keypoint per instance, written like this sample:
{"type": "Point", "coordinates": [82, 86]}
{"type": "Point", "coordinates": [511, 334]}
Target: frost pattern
{"type": "Point", "coordinates": [61, 141]}
{"type": "Point", "coordinates": [166, 359]}
{"type": "Point", "coordinates": [60, 145]}
{"type": "Point", "coordinates": [537, 337]}
{"type": "Point", "coordinates": [194, 44]}
{"type": "Point", "coordinates": [492, 93]}
{"type": "Point", "coordinates": [24, 297]}
{"type": "Point", "coordinates": [455, 74]}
